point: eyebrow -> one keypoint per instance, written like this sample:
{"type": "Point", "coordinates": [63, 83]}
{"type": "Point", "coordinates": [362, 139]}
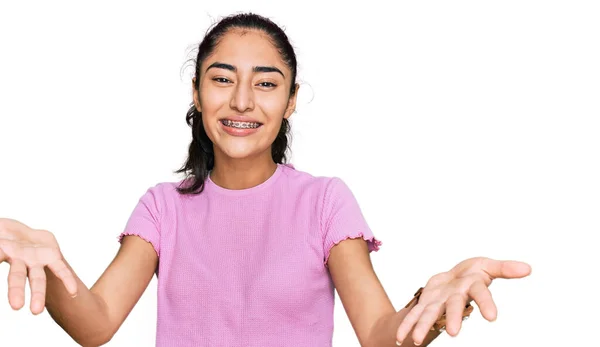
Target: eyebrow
{"type": "Point", "coordinates": [230, 67]}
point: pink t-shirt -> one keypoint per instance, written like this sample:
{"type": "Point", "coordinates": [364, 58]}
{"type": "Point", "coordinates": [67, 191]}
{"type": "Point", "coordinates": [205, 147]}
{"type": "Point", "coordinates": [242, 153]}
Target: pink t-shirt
{"type": "Point", "coordinates": [248, 267]}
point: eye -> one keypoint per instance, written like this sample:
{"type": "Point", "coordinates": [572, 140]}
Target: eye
{"type": "Point", "coordinates": [221, 80]}
{"type": "Point", "coordinates": [267, 84]}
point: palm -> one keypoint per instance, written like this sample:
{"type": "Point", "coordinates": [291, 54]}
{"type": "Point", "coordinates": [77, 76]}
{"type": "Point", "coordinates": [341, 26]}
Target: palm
{"type": "Point", "coordinates": [449, 291]}
{"type": "Point", "coordinates": [28, 252]}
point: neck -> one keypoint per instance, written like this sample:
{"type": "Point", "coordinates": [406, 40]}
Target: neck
{"type": "Point", "coordinates": [244, 173]}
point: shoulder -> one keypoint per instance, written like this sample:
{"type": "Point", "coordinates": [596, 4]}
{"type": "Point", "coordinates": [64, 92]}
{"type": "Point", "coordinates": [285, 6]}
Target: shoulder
{"type": "Point", "coordinates": [160, 195]}
{"type": "Point", "coordinates": [310, 182]}
{"type": "Point", "coordinates": [325, 189]}
{"type": "Point", "coordinates": [162, 190]}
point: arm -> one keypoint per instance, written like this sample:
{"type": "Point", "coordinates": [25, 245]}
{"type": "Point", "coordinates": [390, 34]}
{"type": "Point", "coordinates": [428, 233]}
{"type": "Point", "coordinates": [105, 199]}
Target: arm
{"type": "Point", "coordinates": [368, 307]}
{"type": "Point", "coordinates": [94, 315]}
{"type": "Point", "coordinates": [445, 294]}
{"type": "Point", "coordinates": [370, 311]}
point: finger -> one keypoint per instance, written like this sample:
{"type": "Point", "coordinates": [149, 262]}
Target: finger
{"type": "Point", "coordinates": [455, 307]}
{"type": "Point", "coordinates": [37, 282]}
{"type": "Point", "coordinates": [408, 322]}
{"type": "Point", "coordinates": [430, 315]}
{"type": "Point", "coordinates": [483, 298]}
{"type": "Point", "coordinates": [17, 277]}
{"type": "Point", "coordinates": [62, 272]}
{"type": "Point", "coordinates": [505, 268]}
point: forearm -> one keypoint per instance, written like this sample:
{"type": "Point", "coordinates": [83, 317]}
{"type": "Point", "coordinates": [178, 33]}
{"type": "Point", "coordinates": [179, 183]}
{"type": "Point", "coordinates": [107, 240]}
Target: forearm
{"type": "Point", "coordinates": [384, 332]}
{"type": "Point", "coordinates": [85, 318]}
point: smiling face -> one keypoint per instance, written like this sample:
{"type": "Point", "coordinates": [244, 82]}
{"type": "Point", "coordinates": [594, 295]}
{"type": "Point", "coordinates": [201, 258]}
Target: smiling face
{"type": "Point", "coordinates": [244, 95]}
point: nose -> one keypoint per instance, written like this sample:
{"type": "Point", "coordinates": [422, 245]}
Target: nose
{"type": "Point", "coordinates": [242, 99]}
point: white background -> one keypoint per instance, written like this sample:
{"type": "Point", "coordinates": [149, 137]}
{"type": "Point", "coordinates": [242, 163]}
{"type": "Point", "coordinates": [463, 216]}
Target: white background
{"type": "Point", "coordinates": [464, 128]}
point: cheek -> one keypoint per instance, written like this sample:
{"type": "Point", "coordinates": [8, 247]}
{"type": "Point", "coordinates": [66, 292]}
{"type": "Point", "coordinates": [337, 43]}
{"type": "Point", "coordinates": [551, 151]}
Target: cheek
{"type": "Point", "coordinates": [212, 103]}
{"type": "Point", "coordinates": [274, 110]}
{"type": "Point", "coordinates": [209, 127]}
{"type": "Point", "coordinates": [274, 105]}
{"type": "Point", "coordinates": [212, 99]}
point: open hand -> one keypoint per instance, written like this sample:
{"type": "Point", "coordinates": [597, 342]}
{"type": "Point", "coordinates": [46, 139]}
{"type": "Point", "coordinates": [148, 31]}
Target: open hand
{"type": "Point", "coordinates": [28, 251]}
{"type": "Point", "coordinates": [449, 292]}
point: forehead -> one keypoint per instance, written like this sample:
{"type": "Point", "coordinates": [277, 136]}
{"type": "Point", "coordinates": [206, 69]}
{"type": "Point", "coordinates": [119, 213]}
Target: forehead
{"type": "Point", "coordinates": [246, 48]}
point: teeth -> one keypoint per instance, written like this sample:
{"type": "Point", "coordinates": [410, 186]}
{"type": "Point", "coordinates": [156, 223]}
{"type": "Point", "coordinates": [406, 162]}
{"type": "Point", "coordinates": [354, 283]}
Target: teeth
{"type": "Point", "coordinates": [240, 125]}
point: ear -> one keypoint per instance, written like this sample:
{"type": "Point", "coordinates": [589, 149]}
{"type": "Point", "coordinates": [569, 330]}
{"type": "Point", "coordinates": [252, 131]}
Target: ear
{"type": "Point", "coordinates": [196, 95]}
{"type": "Point", "coordinates": [292, 103]}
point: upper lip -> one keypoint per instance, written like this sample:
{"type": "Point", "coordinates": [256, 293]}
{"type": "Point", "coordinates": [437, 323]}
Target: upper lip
{"type": "Point", "coordinates": [241, 119]}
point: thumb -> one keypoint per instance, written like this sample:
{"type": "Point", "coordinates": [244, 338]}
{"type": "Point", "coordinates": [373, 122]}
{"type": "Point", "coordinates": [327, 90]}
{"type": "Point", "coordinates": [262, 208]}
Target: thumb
{"type": "Point", "coordinates": [506, 268]}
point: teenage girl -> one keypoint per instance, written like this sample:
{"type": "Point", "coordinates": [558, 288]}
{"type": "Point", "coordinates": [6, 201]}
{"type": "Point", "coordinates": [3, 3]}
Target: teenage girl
{"type": "Point", "coordinates": [247, 250]}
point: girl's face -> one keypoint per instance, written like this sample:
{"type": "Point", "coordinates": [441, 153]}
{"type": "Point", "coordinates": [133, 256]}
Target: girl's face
{"type": "Point", "coordinates": [244, 95]}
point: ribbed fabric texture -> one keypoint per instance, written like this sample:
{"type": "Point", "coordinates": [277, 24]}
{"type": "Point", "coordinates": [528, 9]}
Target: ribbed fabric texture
{"type": "Point", "coordinates": [248, 267]}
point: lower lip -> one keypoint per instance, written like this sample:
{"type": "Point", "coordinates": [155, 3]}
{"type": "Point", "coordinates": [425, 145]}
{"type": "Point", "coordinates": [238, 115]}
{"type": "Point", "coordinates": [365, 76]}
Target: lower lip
{"type": "Point", "coordinates": [239, 132]}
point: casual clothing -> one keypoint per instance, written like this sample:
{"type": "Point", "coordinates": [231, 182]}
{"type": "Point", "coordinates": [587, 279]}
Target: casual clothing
{"type": "Point", "coordinates": [248, 267]}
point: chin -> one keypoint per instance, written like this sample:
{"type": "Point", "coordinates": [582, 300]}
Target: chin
{"type": "Point", "coordinates": [241, 152]}
{"type": "Point", "coordinates": [245, 147]}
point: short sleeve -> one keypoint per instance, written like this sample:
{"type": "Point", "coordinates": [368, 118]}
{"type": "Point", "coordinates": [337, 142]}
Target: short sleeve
{"type": "Point", "coordinates": [145, 219]}
{"type": "Point", "coordinates": [342, 218]}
